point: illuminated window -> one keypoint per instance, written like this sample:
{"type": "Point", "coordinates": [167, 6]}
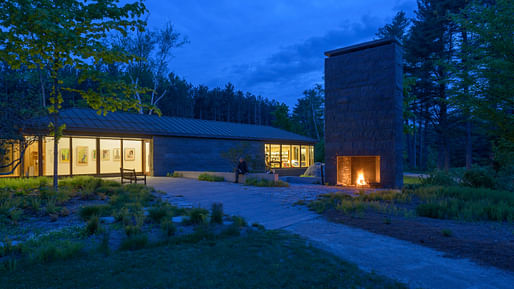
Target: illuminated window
{"type": "Point", "coordinates": [110, 156]}
{"type": "Point", "coordinates": [275, 156]}
{"type": "Point", "coordinates": [63, 156]}
{"type": "Point", "coordinates": [286, 156]}
{"type": "Point", "coordinates": [133, 155]}
{"type": "Point", "coordinates": [84, 156]}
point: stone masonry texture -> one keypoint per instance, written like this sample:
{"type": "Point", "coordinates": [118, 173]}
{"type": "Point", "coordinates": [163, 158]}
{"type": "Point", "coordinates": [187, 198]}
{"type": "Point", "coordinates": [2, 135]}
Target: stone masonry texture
{"type": "Point", "coordinates": [201, 154]}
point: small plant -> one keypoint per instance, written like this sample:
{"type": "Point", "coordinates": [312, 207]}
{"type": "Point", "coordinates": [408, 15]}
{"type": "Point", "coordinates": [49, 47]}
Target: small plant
{"type": "Point", "coordinates": [35, 203]}
{"type": "Point", "coordinates": [134, 242]}
{"type": "Point", "coordinates": [123, 215]}
{"type": "Point", "coordinates": [210, 178]}
{"type": "Point", "coordinates": [177, 175]}
{"type": "Point", "coordinates": [160, 211]}
{"type": "Point", "coordinates": [447, 232]}
{"type": "Point", "coordinates": [168, 227]}
{"type": "Point", "coordinates": [265, 183]}
{"type": "Point", "coordinates": [132, 230]}
{"type": "Point", "coordinates": [55, 250]}
{"type": "Point", "coordinates": [15, 215]}
{"type": "Point", "coordinates": [51, 208]}
{"type": "Point", "coordinates": [96, 210]}
{"type": "Point", "coordinates": [93, 225]}
{"type": "Point", "coordinates": [217, 213]}
{"type": "Point", "coordinates": [198, 216]}
{"type": "Point", "coordinates": [103, 247]}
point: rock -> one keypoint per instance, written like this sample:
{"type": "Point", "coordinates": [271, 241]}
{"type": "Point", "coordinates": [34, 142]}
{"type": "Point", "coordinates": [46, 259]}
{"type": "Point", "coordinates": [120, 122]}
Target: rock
{"type": "Point", "coordinates": [12, 243]}
{"type": "Point", "coordinates": [53, 217]}
{"type": "Point", "coordinates": [179, 219]}
{"type": "Point", "coordinates": [107, 220]}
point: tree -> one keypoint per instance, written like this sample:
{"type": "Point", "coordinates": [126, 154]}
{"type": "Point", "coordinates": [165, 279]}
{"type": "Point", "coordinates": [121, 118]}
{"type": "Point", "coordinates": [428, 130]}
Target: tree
{"type": "Point", "coordinates": [52, 34]}
{"type": "Point", "coordinates": [150, 69]}
{"type": "Point", "coordinates": [397, 29]}
{"type": "Point", "coordinates": [490, 71]}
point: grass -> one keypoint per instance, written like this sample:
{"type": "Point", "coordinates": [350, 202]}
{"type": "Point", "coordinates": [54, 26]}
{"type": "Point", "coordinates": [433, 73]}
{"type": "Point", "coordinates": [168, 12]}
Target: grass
{"type": "Point", "coordinates": [410, 180]}
{"type": "Point", "coordinates": [210, 178]}
{"type": "Point", "coordinates": [261, 259]}
{"type": "Point", "coordinates": [433, 201]}
{"type": "Point", "coordinates": [256, 182]}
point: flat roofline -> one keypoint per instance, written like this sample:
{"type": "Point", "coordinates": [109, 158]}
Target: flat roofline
{"type": "Point", "coordinates": [361, 46]}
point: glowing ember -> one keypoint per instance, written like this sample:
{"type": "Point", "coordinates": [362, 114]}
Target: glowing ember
{"type": "Point", "coordinates": [360, 179]}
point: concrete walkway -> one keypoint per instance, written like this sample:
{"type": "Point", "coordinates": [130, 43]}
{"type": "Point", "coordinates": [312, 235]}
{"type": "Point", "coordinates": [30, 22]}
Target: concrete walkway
{"type": "Point", "coordinates": [413, 264]}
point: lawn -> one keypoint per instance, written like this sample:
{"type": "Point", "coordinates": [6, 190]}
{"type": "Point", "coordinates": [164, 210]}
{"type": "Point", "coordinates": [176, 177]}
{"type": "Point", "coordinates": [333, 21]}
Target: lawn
{"type": "Point", "coordinates": [259, 259]}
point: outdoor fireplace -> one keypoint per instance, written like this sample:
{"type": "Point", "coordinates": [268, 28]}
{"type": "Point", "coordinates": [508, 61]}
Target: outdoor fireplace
{"type": "Point", "coordinates": [363, 115]}
{"type": "Point", "coordinates": [358, 171]}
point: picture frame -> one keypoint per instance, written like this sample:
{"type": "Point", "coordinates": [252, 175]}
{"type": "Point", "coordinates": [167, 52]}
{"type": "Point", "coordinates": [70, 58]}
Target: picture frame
{"type": "Point", "coordinates": [130, 154]}
{"type": "Point", "coordinates": [64, 155]}
{"type": "Point", "coordinates": [106, 155]}
{"type": "Point", "coordinates": [116, 154]}
{"type": "Point", "coordinates": [82, 155]}
{"type": "Point", "coordinates": [93, 155]}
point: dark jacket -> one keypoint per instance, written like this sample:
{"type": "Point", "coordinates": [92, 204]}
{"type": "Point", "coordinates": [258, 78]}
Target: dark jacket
{"type": "Point", "coordinates": [242, 168]}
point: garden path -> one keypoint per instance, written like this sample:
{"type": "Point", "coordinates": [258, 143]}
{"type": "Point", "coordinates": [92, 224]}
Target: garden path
{"type": "Point", "coordinates": [416, 265]}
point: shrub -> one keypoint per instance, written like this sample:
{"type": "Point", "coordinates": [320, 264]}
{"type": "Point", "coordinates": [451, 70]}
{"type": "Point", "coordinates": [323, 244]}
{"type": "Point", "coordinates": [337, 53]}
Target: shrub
{"type": "Point", "coordinates": [447, 232]}
{"type": "Point", "coordinates": [95, 210]}
{"type": "Point", "coordinates": [438, 178]}
{"type": "Point", "coordinates": [134, 242]}
{"type": "Point", "coordinates": [93, 225]}
{"type": "Point", "coordinates": [479, 178]}
{"type": "Point", "coordinates": [217, 213]}
{"type": "Point", "coordinates": [55, 250]}
{"type": "Point", "coordinates": [132, 230]}
{"type": "Point", "coordinates": [168, 227]}
{"type": "Point", "coordinates": [210, 178]}
{"type": "Point", "coordinates": [198, 216]}
{"type": "Point", "coordinates": [265, 183]}
{"type": "Point", "coordinates": [239, 221]}
{"type": "Point", "coordinates": [15, 215]}
{"type": "Point", "coordinates": [160, 211]}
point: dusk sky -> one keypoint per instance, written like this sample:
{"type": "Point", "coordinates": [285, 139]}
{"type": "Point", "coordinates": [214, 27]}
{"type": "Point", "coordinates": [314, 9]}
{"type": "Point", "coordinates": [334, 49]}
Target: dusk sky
{"type": "Point", "coordinates": [272, 48]}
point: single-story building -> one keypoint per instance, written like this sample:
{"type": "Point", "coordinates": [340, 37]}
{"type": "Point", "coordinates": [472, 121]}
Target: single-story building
{"type": "Point", "coordinates": [94, 144]}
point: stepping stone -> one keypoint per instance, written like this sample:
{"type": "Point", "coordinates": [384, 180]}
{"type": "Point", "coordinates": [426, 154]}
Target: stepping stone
{"type": "Point", "coordinates": [179, 219]}
{"type": "Point", "coordinates": [107, 220]}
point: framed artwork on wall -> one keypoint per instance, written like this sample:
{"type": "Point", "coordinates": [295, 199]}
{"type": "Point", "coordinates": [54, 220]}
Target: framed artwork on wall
{"type": "Point", "coordinates": [116, 154]}
{"type": "Point", "coordinates": [82, 153]}
{"type": "Point", "coordinates": [93, 155]}
{"type": "Point", "coordinates": [64, 155]}
{"type": "Point", "coordinates": [130, 154]}
{"type": "Point", "coordinates": [106, 155]}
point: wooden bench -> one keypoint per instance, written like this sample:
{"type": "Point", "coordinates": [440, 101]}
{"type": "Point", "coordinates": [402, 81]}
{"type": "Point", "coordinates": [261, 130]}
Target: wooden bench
{"type": "Point", "coordinates": [131, 176]}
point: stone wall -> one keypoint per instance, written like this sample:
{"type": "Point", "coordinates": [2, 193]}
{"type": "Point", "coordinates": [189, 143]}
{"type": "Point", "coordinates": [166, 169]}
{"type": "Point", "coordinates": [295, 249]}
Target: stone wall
{"type": "Point", "coordinates": [201, 154]}
{"type": "Point", "coordinates": [363, 107]}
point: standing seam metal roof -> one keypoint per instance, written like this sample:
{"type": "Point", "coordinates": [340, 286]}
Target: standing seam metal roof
{"type": "Point", "coordinates": [88, 120]}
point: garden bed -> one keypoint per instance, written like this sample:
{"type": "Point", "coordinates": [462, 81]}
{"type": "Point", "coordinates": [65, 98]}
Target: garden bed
{"type": "Point", "coordinates": [462, 222]}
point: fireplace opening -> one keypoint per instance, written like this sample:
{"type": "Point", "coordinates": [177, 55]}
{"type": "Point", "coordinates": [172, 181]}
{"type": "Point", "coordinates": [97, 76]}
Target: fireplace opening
{"type": "Point", "coordinates": [358, 171]}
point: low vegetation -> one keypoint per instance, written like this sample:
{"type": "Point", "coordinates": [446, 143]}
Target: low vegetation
{"type": "Point", "coordinates": [259, 182]}
{"type": "Point", "coordinates": [210, 178]}
{"type": "Point", "coordinates": [258, 259]}
{"type": "Point", "coordinates": [472, 197]}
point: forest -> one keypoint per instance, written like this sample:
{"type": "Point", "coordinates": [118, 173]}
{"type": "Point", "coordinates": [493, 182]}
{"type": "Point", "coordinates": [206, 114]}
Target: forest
{"type": "Point", "coordinates": [458, 83]}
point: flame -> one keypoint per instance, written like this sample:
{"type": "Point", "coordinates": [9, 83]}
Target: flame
{"type": "Point", "coordinates": [360, 179]}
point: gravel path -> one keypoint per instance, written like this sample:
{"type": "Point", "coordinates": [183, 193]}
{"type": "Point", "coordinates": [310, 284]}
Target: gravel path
{"type": "Point", "coordinates": [413, 264]}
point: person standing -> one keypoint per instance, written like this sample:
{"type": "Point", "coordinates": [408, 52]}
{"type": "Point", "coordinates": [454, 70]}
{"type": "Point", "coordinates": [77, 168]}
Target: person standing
{"type": "Point", "coordinates": [242, 168]}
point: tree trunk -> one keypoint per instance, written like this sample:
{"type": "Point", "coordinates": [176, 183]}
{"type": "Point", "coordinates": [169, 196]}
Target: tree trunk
{"type": "Point", "coordinates": [469, 145]}
{"type": "Point", "coordinates": [56, 145]}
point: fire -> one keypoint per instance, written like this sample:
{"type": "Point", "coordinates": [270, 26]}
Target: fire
{"type": "Point", "coordinates": [360, 179]}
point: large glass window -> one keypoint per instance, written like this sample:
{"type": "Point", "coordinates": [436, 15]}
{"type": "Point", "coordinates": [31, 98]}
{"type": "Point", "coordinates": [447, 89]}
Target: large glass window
{"type": "Point", "coordinates": [84, 156]}
{"type": "Point", "coordinates": [63, 156]}
{"type": "Point", "coordinates": [9, 154]}
{"type": "Point", "coordinates": [288, 156]}
{"type": "Point", "coordinates": [275, 156]}
{"type": "Point", "coordinates": [110, 156]}
{"type": "Point", "coordinates": [133, 155]}
{"type": "Point", "coordinates": [31, 160]}
{"type": "Point", "coordinates": [148, 157]}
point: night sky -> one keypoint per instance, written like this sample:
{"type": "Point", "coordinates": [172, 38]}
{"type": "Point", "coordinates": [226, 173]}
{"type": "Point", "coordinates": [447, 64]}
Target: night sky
{"type": "Point", "coordinates": [272, 48]}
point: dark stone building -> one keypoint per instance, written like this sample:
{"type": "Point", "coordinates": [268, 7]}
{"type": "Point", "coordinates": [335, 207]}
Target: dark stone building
{"type": "Point", "coordinates": [94, 144]}
{"type": "Point", "coordinates": [363, 115]}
